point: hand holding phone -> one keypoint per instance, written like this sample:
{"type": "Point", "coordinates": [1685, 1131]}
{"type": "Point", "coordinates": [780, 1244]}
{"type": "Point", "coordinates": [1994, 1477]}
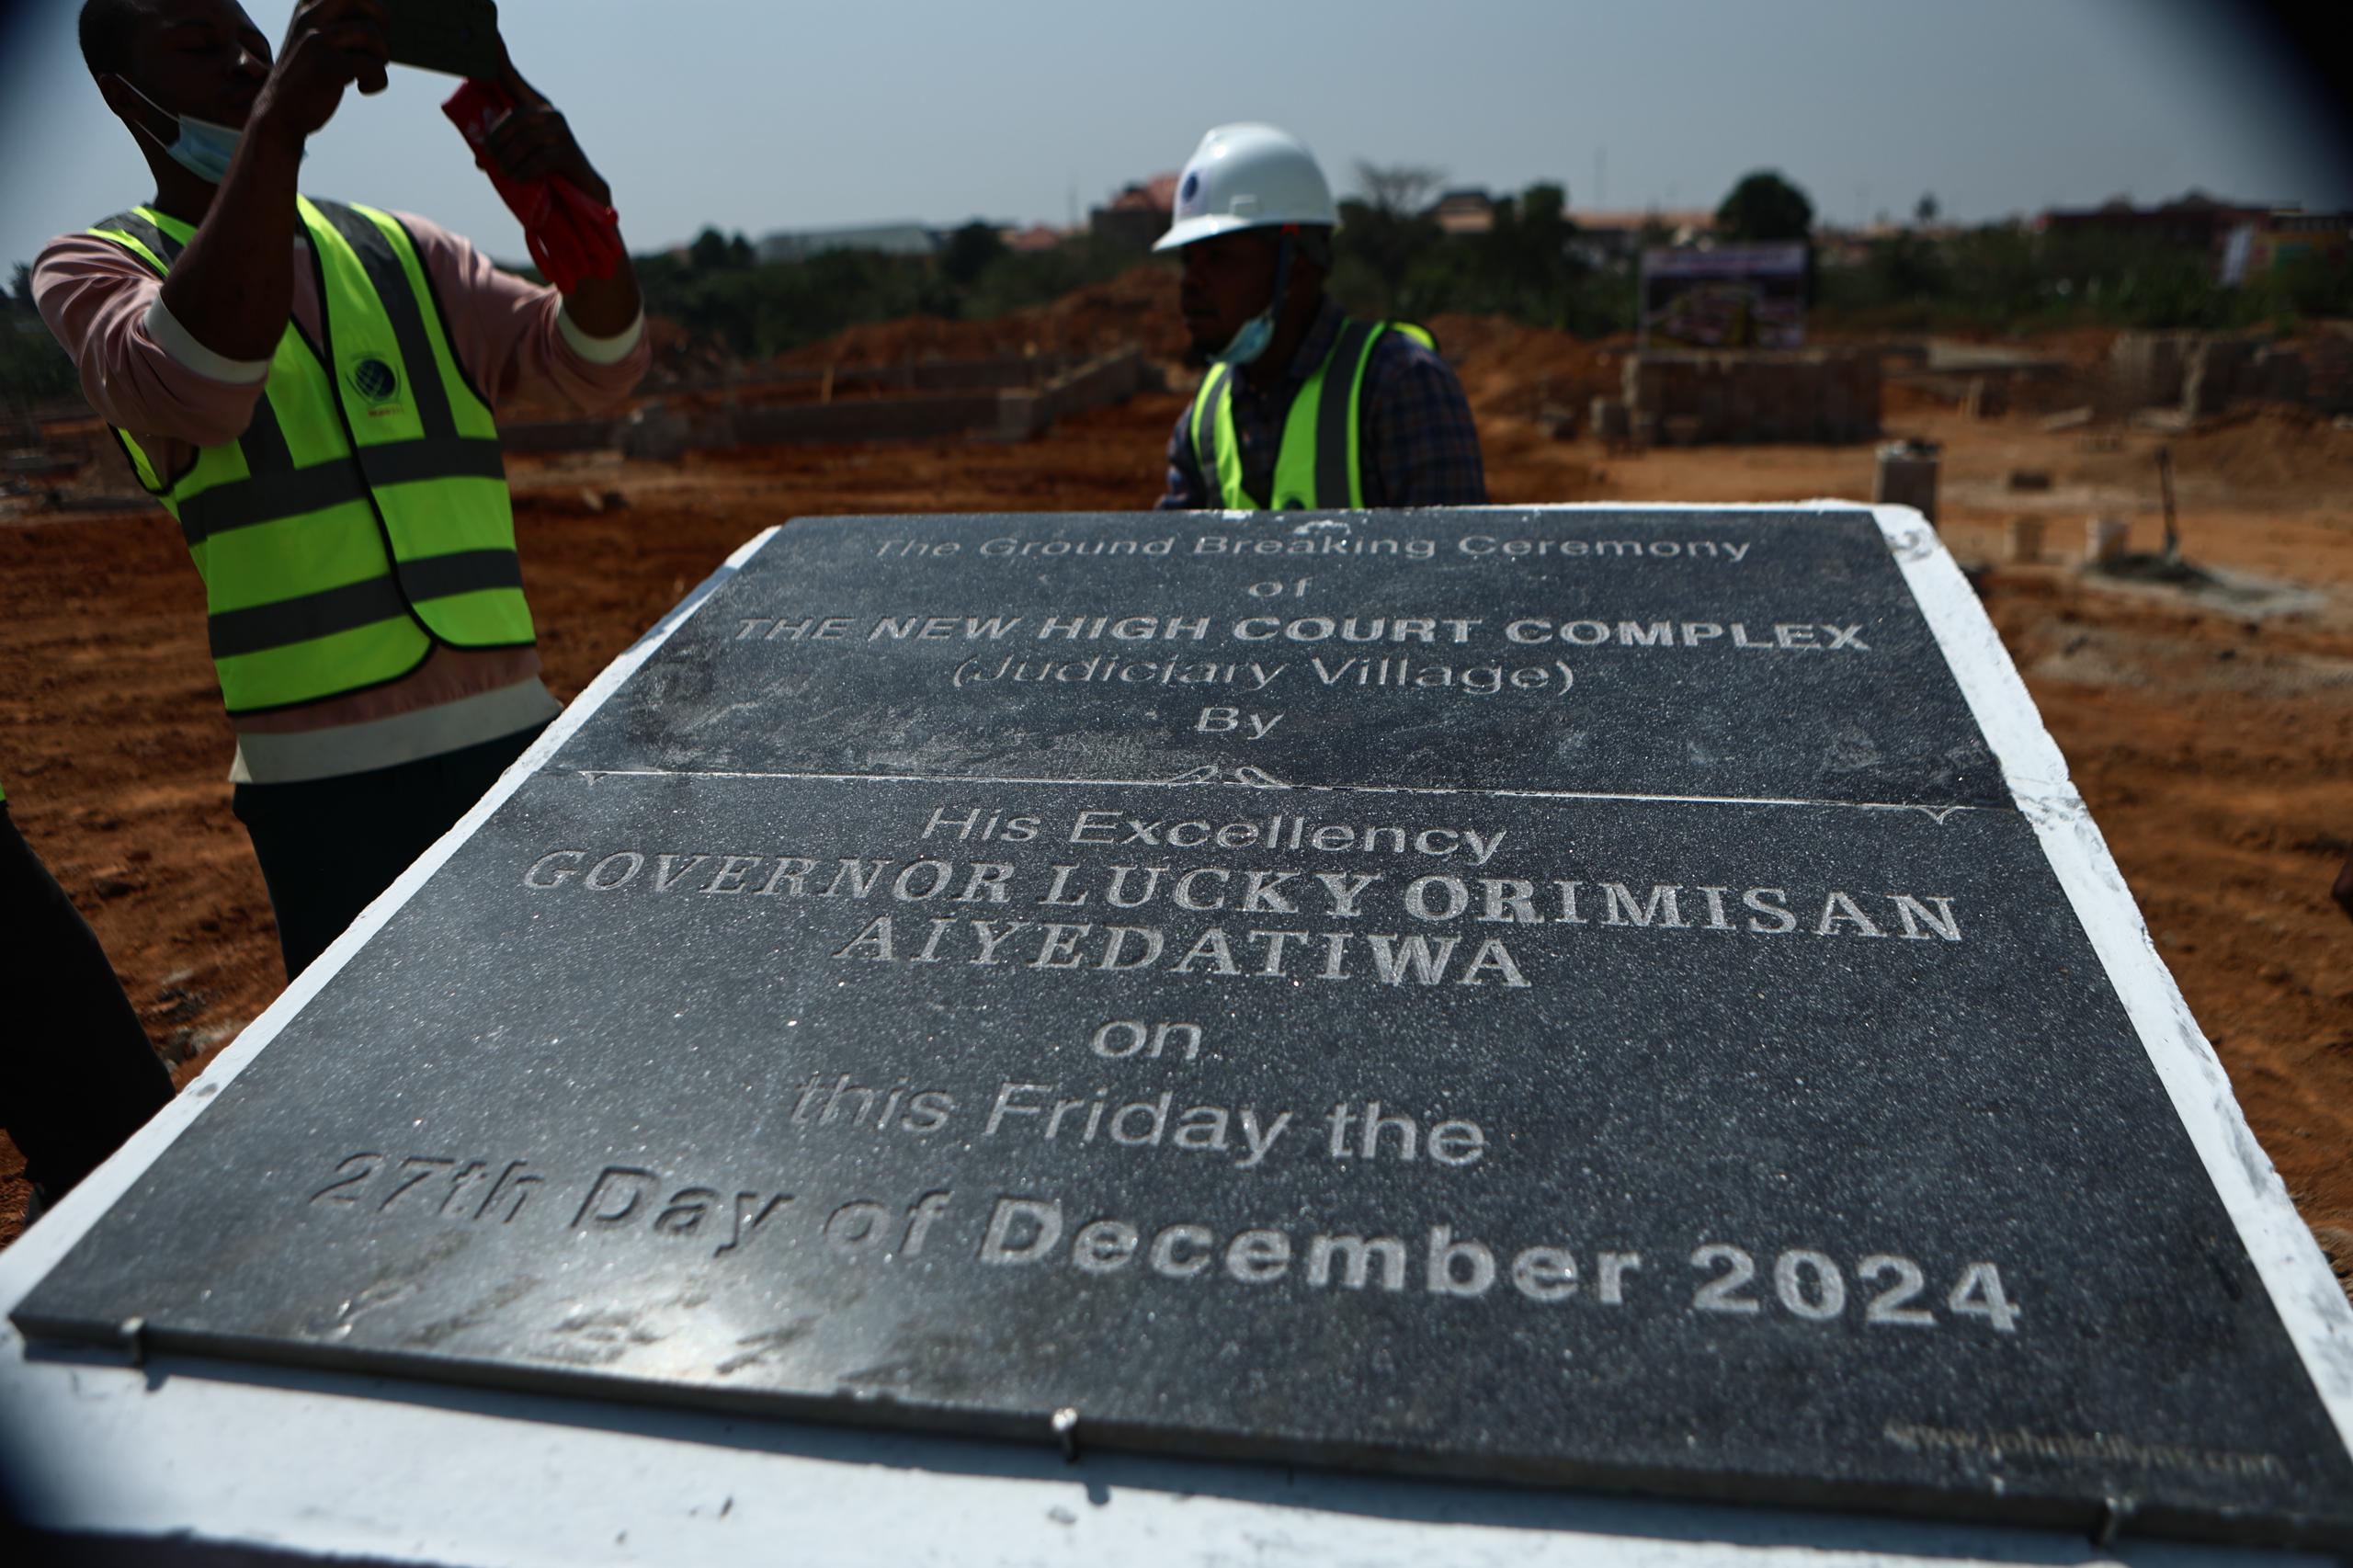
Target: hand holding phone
{"type": "Point", "coordinates": [330, 45]}
{"type": "Point", "coordinates": [456, 38]}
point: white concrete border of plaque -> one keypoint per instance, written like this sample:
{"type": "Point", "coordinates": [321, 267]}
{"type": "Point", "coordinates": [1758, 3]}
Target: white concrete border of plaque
{"type": "Point", "coordinates": [174, 1457]}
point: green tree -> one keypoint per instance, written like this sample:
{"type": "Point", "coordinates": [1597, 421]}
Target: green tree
{"type": "Point", "coordinates": [1018, 279]}
{"type": "Point", "coordinates": [1764, 208]}
{"type": "Point", "coordinates": [1397, 190]}
{"type": "Point", "coordinates": [1523, 266]}
{"type": "Point", "coordinates": [1385, 235]}
{"type": "Point", "coordinates": [708, 253]}
{"type": "Point", "coordinates": [969, 251]}
{"type": "Point", "coordinates": [33, 369]}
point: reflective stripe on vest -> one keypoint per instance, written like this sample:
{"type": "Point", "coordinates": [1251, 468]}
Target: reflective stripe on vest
{"type": "Point", "coordinates": [1320, 464]}
{"type": "Point", "coordinates": [363, 515]}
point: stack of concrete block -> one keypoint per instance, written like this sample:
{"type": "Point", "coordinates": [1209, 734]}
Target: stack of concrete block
{"type": "Point", "coordinates": [560, 436]}
{"type": "Point", "coordinates": [1099, 383]}
{"type": "Point", "coordinates": [2204, 373]}
{"type": "Point", "coordinates": [656, 434]}
{"type": "Point", "coordinates": [1826, 395]}
{"type": "Point", "coordinates": [863, 419]}
{"type": "Point", "coordinates": [2280, 374]}
{"type": "Point", "coordinates": [1906, 475]}
{"type": "Point", "coordinates": [1988, 397]}
{"type": "Point", "coordinates": [2149, 365]}
{"type": "Point", "coordinates": [2219, 372]}
{"type": "Point", "coordinates": [988, 406]}
{"type": "Point", "coordinates": [2327, 366]}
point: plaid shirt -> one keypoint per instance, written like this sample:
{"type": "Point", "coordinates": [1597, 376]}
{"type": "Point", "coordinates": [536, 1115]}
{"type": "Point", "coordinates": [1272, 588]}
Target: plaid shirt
{"type": "Point", "coordinates": [1419, 444]}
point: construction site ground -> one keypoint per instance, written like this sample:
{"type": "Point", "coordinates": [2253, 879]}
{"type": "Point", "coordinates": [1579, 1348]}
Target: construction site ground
{"type": "Point", "coordinates": [2210, 727]}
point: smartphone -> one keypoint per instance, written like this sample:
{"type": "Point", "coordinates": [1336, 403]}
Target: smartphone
{"type": "Point", "coordinates": [457, 37]}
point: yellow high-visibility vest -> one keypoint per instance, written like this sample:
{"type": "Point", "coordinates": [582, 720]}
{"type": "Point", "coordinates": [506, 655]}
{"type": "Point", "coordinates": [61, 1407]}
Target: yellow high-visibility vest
{"type": "Point", "coordinates": [362, 518]}
{"type": "Point", "coordinates": [1318, 466]}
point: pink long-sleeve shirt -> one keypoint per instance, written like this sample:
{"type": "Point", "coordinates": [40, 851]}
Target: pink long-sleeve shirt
{"type": "Point", "coordinates": [144, 372]}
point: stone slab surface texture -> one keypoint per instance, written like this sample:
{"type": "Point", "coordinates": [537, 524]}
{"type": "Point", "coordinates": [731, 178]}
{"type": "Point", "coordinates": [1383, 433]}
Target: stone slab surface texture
{"type": "Point", "coordinates": [1677, 1067]}
{"type": "Point", "coordinates": [1741, 656]}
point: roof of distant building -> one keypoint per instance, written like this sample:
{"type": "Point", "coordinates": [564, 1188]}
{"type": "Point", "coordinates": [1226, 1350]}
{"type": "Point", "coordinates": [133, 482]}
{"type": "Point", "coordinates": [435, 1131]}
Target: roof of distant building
{"type": "Point", "coordinates": [1157, 194]}
{"type": "Point", "coordinates": [2296, 220]}
{"type": "Point", "coordinates": [1631, 220]}
{"type": "Point", "coordinates": [891, 239]}
{"type": "Point", "coordinates": [2193, 207]}
{"type": "Point", "coordinates": [1466, 213]}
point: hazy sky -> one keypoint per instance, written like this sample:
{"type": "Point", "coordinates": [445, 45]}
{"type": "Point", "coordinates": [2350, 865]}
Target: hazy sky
{"type": "Point", "coordinates": [764, 114]}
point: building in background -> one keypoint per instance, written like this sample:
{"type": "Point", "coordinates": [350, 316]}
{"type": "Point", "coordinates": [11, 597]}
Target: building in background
{"type": "Point", "coordinates": [1460, 212]}
{"type": "Point", "coordinates": [1725, 297]}
{"type": "Point", "coordinates": [2195, 222]}
{"type": "Point", "coordinates": [2284, 237]}
{"type": "Point", "coordinates": [1609, 238]}
{"type": "Point", "coordinates": [1136, 217]}
{"type": "Point", "coordinates": [1033, 239]}
{"type": "Point", "coordinates": [887, 239]}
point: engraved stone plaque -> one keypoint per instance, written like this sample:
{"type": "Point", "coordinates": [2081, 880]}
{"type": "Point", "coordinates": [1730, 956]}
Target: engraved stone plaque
{"type": "Point", "coordinates": [1478, 1008]}
{"type": "Point", "coordinates": [1720, 653]}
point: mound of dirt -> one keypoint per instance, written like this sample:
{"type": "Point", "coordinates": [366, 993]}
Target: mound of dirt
{"type": "Point", "coordinates": [2268, 447]}
{"type": "Point", "coordinates": [1139, 307]}
{"type": "Point", "coordinates": [1507, 368]}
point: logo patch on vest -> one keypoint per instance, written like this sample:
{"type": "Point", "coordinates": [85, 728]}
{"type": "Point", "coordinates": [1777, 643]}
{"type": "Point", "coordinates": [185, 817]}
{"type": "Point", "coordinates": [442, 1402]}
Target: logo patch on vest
{"type": "Point", "coordinates": [373, 379]}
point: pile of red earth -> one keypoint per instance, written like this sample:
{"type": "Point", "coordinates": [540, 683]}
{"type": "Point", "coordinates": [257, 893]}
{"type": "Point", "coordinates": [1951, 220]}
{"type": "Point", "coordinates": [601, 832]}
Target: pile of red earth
{"type": "Point", "coordinates": [1136, 309]}
{"type": "Point", "coordinates": [1507, 368]}
{"type": "Point", "coordinates": [2269, 447]}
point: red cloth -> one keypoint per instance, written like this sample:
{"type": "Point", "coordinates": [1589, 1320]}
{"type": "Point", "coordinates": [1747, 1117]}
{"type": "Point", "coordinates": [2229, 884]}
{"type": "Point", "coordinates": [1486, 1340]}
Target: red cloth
{"type": "Point", "coordinates": [571, 236]}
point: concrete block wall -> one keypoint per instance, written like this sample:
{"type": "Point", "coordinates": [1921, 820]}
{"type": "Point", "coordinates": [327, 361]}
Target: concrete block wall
{"type": "Point", "coordinates": [2149, 365]}
{"type": "Point", "coordinates": [2325, 369]}
{"type": "Point", "coordinates": [867, 419]}
{"type": "Point", "coordinates": [1113, 378]}
{"type": "Point", "coordinates": [2204, 373]}
{"type": "Point", "coordinates": [975, 375]}
{"type": "Point", "coordinates": [560, 436]}
{"type": "Point", "coordinates": [912, 376]}
{"type": "Point", "coordinates": [2219, 371]}
{"type": "Point", "coordinates": [991, 408]}
{"type": "Point", "coordinates": [1830, 396]}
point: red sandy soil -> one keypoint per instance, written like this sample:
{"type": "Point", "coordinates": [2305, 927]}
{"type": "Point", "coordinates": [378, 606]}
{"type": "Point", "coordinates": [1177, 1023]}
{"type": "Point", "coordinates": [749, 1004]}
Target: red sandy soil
{"type": "Point", "coordinates": [2215, 746]}
{"type": "Point", "coordinates": [1135, 308]}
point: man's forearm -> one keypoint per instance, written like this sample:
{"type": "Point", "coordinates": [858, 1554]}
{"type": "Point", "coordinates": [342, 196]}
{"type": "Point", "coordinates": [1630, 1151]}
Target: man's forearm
{"type": "Point", "coordinates": [233, 289]}
{"type": "Point", "coordinates": [604, 307]}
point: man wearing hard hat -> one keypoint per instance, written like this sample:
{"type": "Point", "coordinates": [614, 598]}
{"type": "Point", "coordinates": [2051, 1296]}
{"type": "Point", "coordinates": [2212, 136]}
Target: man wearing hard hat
{"type": "Point", "coordinates": [1302, 407]}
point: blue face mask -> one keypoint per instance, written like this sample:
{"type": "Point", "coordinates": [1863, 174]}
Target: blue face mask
{"type": "Point", "coordinates": [202, 148]}
{"type": "Point", "coordinates": [1251, 341]}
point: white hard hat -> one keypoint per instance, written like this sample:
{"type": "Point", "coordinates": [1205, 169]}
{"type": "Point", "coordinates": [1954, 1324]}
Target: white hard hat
{"type": "Point", "coordinates": [1248, 176]}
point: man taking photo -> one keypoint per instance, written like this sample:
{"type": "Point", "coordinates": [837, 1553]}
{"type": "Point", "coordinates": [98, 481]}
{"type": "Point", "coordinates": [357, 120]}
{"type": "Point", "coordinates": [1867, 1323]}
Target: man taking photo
{"type": "Point", "coordinates": [308, 387]}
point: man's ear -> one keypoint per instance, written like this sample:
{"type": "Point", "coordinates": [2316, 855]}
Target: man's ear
{"type": "Point", "coordinates": [126, 104]}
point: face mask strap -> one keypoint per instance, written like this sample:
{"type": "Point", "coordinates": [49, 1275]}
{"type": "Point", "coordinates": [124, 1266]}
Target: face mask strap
{"type": "Point", "coordinates": [199, 146]}
{"type": "Point", "coordinates": [1283, 259]}
{"type": "Point", "coordinates": [151, 103]}
{"type": "Point", "coordinates": [1259, 330]}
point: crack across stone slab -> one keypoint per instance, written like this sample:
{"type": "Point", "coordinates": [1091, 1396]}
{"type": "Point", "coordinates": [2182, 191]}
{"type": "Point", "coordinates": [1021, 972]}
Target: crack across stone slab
{"type": "Point", "coordinates": [1253, 778]}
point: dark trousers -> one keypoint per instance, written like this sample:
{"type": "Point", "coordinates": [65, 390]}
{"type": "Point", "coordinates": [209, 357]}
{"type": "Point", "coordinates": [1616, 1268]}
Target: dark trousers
{"type": "Point", "coordinates": [328, 846]}
{"type": "Point", "coordinates": [81, 1076]}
